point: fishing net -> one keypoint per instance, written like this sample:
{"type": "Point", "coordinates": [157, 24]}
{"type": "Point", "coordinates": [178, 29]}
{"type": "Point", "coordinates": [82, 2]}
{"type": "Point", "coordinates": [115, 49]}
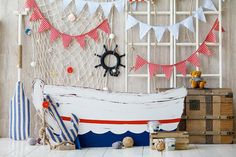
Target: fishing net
{"type": "Point", "coordinates": [52, 59]}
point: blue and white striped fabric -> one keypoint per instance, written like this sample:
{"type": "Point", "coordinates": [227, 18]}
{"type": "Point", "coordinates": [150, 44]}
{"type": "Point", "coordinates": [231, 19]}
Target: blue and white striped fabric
{"type": "Point", "coordinates": [66, 134]}
{"type": "Point", "coordinates": [19, 127]}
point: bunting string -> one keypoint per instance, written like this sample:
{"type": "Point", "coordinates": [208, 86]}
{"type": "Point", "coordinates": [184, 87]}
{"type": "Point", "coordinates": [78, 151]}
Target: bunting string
{"type": "Point", "coordinates": [181, 66]}
{"type": "Point", "coordinates": [93, 6]}
{"type": "Point", "coordinates": [55, 34]}
{"type": "Point", "coordinates": [173, 29]}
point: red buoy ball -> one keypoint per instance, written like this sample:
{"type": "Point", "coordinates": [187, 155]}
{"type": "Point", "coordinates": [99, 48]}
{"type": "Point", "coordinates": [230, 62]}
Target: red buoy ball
{"type": "Point", "coordinates": [45, 104]}
{"type": "Point", "coordinates": [70, 69]}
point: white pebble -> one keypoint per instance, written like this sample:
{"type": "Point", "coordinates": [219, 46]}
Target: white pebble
{"type": "Point", "coordinates": [33, 64]}
{"type": "Point", "coordinates": [112, 36]}
{"type": "Point", "coordinates": [105, 88]}
{"type": "Point", "coordinates": [71, 17]}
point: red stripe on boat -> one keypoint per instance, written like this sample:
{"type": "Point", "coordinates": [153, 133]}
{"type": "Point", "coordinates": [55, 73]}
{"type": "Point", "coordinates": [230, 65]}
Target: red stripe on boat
{"type": "Point", "coordinates": [165, 121]}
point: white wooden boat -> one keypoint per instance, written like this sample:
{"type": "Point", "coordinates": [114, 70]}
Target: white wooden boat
{"type": "Point", "coordinates": [103, 112]}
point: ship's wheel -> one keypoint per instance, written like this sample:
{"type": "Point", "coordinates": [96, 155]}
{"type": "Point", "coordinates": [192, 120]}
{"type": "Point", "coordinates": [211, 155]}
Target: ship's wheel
{"type": "Point", "coordinates": [112, 69]}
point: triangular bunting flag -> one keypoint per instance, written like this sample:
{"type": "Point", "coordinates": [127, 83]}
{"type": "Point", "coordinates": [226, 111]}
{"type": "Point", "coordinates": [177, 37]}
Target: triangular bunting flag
{"type": "Point", "coordinates": [217, 25]}
{"type": "Point", "coordinates": [81, 40]}
{"type": "Point", "coordinates": [30, 4]}
{"type": "Point", "coordinates": [36, 15]}
{"type": "Point", "coordinates": [211, 37]}
{"type": "Point", "coordinates": [106, 7]}
{"type": "Point", "coordinates": [54, 34]}
{"type": "Point", "coordinates": [93, 34]}
{"type": "Point", "coordinates": [120, 5]}
{"type": "Point", "coordinates": [193, 59]}
{"type": "Point", "coordinates": [153, 68]}
{"type": "Point", "coordinates": [44, 26]}
{"type": "Point", "coordinates": [188, 23]}
{"type": "Point", "coordinates": [66, 3]}
{"type": "Point", "coordinates": [143, 29]}
{"type": "Point", "coordinates": [174, 30]}
{"type": "Point", "coordinates": [208, 4]}
{"type": "Point", "coordinates": [181, 67]}
{"type": "Point", "coordinates": [79, 5]}
{"type": "Point", "coordinates": [167, 70]}
{"type": "Point", "coordinates": [140, 62]}
{"type": "Point", "coordinates": [66, 39]}
{"type": "Point", "coordinates": [204, 50]}
{"type": "Point", "coordinates": [93, 6]}
{"type": "Point", "coordinates": [134, 5]}
{"type": "Point", "coordinates": [104, 26]}
{"type": "Point", "coordinates": [199, 14]}
{"type": "Point", "coordinates": [159, 31]}
{"type": "Point", "coordinates": [131, 21]}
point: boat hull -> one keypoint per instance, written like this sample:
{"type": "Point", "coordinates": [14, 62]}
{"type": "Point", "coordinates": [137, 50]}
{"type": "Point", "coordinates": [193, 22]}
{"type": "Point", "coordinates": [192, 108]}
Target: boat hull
{"type": "Point", "coordinates": [108, 117]}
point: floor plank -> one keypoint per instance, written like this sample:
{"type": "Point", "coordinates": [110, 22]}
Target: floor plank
{"type": "Point", "coordinates": [95, 152]}
{"type": "Point", "coordinates": [128, 152]}
{"type": "Point", "coordinates": [77, 153]}
{"type": "Point", "coordinates": [6, 147]}
{"type": "Point", "coordinates": [21, 149]}
{"type": "Point", "coordinates": [9, 148]}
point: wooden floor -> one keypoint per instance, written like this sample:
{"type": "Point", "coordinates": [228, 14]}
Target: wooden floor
{"type": "Point", "coordinates": [9, 148]}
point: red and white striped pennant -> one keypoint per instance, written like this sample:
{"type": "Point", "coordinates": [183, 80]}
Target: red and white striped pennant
{"type": "Point", "coordinates": [104, 26]}
{"type": "Point", "coordinates": [181, 67]}
{"type": "Point", "coordinates": [167, 70]}
{"type": "Point", "coordinates": [66, 39]}
{"type": "Point", "coordinates": [54, 34]}
{"type": "Point", "coordinates": [44, 26]}
{"type": "Point", "coordinates": [204, 50]}
{"type": "Point", "coordinates": [30, 4]}
{"type": "Point", "coordinates": [81, 40]}
{"type": "Point", "coordinates": [93, 34]}
{"type": "Point", "coordinates": [140, 62]}
{"type": "Point", "coordinates": [216, 26]}
{"type": "Point", "coordinates": [36, 15]}
{"type": "Point", "coordinates": [211, 37]}
{"type": "Point", "coordinates": [153, 68]}
{"type": "Point", "coordinates": [193, 59]}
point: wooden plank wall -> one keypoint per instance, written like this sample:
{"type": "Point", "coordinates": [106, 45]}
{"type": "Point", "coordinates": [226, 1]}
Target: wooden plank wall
{"type": "Point", "coordinates": [8, 57]}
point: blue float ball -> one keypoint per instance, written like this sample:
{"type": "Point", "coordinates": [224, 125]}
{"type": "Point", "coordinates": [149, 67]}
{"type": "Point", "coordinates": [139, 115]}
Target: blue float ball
{"type": "Point", "coordinates": [117, 145]}
{"type": "Point", "coordinates": [32, 141]}
{"type": "Point", "coordinates": [27, 31]}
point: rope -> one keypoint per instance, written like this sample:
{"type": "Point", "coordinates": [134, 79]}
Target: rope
{"type": "Point", "coordinates": [190, 14]}
{"type": "Point", "coordinates": [154, 3]}
{"type": "Point", "coordinates": [132, 49]}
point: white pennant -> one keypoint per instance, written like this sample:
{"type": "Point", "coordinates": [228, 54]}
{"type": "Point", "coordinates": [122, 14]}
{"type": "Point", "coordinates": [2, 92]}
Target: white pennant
{"type": "Point", "coordinates": [174, 30]}
{"type": "Point", "coordinates": [188, 23]}
{"type": "Point", "coordinates": [208, 4]}
{"type": "Point", "coordinates": [66, 3]}
{"type": "Point", "coordinates": [93, 6]}
{"type": "Point", "coordinates": [199, 14]}
{"type": "Point", "coordinates": [106, 7]}
{"type": "Point", "coordinates": [120, 5]}
{"type": "Point", "coordinates": [143, 29]}
{"type": "Point", "coordinates": [79, 5]}
{"type": "Point", "coordinates": [159, 31]}
{"type": "Point", "coordinates": [131, 21]}
{"type": "Point", "coordinates": [134, 5]}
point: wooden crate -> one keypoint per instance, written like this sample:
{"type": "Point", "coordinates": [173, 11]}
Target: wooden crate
{"type": "Point", "coordinates": [182, 139]}
{"type": "Point", "coordinates": [208, 116]}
